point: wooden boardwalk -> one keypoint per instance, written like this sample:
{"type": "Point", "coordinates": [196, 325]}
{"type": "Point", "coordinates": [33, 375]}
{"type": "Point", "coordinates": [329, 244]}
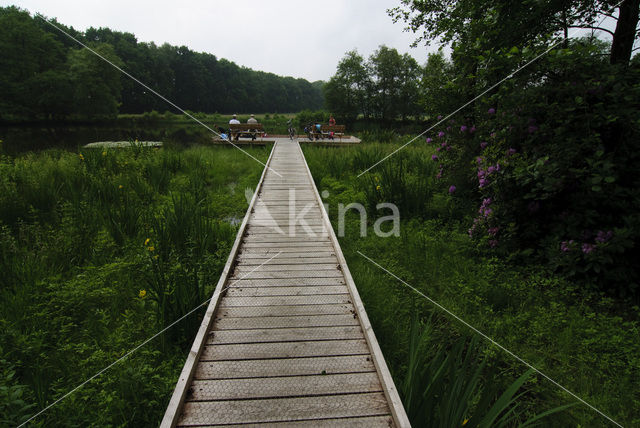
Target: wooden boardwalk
{"type": "Point", "coordinates": [285, 340]}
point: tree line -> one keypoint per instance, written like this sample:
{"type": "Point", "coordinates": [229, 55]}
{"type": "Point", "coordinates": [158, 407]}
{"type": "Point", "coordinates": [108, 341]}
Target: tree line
{"type": "Point", "coordinates": [46, 75]}
{"type": "Point", "coordinates": [384, 87]}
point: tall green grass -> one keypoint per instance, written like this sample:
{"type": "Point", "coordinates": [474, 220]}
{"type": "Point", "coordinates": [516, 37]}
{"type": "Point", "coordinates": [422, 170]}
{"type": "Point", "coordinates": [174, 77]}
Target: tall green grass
{"type": "Point", "coordinates": [99, 250]}
{"type": "Point", "coordinates": [584, 341]}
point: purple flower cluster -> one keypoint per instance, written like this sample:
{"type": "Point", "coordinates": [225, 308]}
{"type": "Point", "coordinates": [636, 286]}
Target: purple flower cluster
{"type": "Point", "coordinates": [491, 111]}
{"type": "Point", "coordinates": [603, 237]}
{"type": "Point", "coordinates": [434, 157]}
{"type": "Point", "coordinates": [483, 175]}
{"type": "Point", "coordinates": [444, 146]}
{"type": "Point", "coordinates": [463, 128]}
{"type": "Point", "coordinates": [429, 140]}
{"type": "Point", "coordinates": [484, 145]}
{"type": "Point", "coordinates": [485, 209]}
{"type": "Point", "coordinates": [452, 189]}
{"type": "Point", "coordinates": [440, 134]}
{"type": "Point", "coordinates": [565, 246]}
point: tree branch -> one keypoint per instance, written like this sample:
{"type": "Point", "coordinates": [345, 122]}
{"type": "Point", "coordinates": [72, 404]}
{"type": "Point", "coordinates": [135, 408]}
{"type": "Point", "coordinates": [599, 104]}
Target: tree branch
{"type": "Point", "coordinates": [589, 27]}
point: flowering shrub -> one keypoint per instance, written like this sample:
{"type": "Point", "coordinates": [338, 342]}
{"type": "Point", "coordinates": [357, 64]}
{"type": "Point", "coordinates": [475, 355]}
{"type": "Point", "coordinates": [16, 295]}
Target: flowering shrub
{"type": "Point", "coordinates": [554, 168]}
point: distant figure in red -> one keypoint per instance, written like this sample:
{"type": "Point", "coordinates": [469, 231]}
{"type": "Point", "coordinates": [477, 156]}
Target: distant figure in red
{"type": "Point", "coordinates": [332, 121]}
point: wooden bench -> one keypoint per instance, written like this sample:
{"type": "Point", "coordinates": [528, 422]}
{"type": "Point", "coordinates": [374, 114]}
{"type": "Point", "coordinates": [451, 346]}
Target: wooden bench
{"type": "Point", "coordinates": [247, 129]}
{"type": "Point", "coordinates": [325, 130]}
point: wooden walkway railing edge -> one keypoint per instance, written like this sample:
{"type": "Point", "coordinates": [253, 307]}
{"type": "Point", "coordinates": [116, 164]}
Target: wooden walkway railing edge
{"type": "Point", "coordinates": [172, 413]}
{"type": "Point", "coordinates": [390, 391]}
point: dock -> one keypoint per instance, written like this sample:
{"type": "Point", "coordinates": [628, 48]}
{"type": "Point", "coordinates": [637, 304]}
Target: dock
{"type": "Point", "coordinates": [285, 340]}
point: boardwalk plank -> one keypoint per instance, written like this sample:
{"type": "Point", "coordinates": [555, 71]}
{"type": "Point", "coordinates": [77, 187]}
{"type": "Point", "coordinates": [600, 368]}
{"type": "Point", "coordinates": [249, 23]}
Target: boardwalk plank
{"type": "Point", "coordinates": [358, 422]}
{"type": "Point", "coordinates": [244, 291]}
{"type": "Point", "coordinates": [289, 386]}
{"type": "Point", "coordinates": [259, 274]}
{"type": "Point", "coordinates": [262, 335]}
{"type": "Point", "coordinates": [277, 264]}
{"type": "Point", "coordinates": [286, 282]}
{"type": "Point", "coordinates": [281, 260]}
{"type": "Point", "coordinates": [284, 367]}
{"type": "Point", "coordinates": [284, 350]}
{"type": "Point", "coordinates": [318, 299]}
{"type": "Point", "coordinates": [285, 322]}
{"type": "Point", "coordinates": [284, 409]}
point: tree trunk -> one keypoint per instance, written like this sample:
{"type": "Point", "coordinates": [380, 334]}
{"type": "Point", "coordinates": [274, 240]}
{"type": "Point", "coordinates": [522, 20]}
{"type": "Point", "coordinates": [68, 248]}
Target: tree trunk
{"type": "Point", "coordinates": [625, 33]}
{"type": "Point", "coordinates": [565, 29]}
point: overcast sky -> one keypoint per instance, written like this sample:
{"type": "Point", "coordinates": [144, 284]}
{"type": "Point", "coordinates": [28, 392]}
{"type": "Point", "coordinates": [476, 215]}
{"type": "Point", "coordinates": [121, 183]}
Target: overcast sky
{"type": "Point", "coordinates": [288, 37]}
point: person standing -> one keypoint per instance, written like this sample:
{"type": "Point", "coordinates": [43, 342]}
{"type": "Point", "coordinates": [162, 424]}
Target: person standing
{"type": "Point", "coordinates": [332, 121]}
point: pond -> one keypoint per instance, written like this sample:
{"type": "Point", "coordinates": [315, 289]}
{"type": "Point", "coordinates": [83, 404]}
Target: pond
{"type": "Point", "coordinates": [35, 137]}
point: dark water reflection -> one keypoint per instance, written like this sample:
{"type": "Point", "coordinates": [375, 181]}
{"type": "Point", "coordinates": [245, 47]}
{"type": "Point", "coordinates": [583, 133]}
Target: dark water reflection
{"type": "Point", "coordinates": [23, 138]}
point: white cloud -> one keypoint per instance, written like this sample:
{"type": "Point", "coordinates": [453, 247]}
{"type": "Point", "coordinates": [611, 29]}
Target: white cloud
{"type": "Point", "coordinates": [287, 37]}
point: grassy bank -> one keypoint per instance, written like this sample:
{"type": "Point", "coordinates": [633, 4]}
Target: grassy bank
{"type": "Point", "coordinates": [99, 250]}
{"type": "Point", "coordinates": [584, 340]}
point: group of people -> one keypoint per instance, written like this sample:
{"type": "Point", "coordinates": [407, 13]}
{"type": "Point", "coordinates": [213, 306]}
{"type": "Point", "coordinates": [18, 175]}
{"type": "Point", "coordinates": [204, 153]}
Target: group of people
{"type": "Point", "coordinates": [314, 130]}
{"type": "Point", "coordinates": [235, 135]}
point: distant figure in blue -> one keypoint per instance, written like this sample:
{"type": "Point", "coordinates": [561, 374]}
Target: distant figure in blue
{"type": "Point", "coordinates": [318, 131]}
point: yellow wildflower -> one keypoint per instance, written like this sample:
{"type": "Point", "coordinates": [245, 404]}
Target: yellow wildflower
{"type": "Point", "coordinates": [378, 187]}
{"type": "Point", "coordinates": [120, 186]}
{"type": "Point", "coordinates": [146, 241]}
{"type": "Point", "coordinates": [377, 179]}
{"type": "Point", "coordinates": [156, 257]}
{"type": "Point", "coordinates": [104, 153]}
{"type": "Point", "coordinates": [142, 294]}
{"type": "Point", "coordinates": [465, 422]}
{"type": "Point", "coordinates": [151, 248]}
{"type": "Point", "coordinates": [80, 156]}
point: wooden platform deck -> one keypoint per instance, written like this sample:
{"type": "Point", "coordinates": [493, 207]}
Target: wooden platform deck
{"type": "Point", "coordinates": [285, 340]}
{"type": "Point", "coordinates": [346, 141]}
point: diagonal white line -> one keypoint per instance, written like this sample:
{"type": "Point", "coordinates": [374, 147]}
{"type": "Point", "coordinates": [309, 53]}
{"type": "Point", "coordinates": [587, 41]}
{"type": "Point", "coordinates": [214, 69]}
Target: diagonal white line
{"type": "Point", "coordinates": [139, 346]}
{"type": "Point", "coordinates": [438, 305]}
{"type": "Point", "coordinates": [195, 119]}
{"type": "Point", "coordinates": [509, 76]}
